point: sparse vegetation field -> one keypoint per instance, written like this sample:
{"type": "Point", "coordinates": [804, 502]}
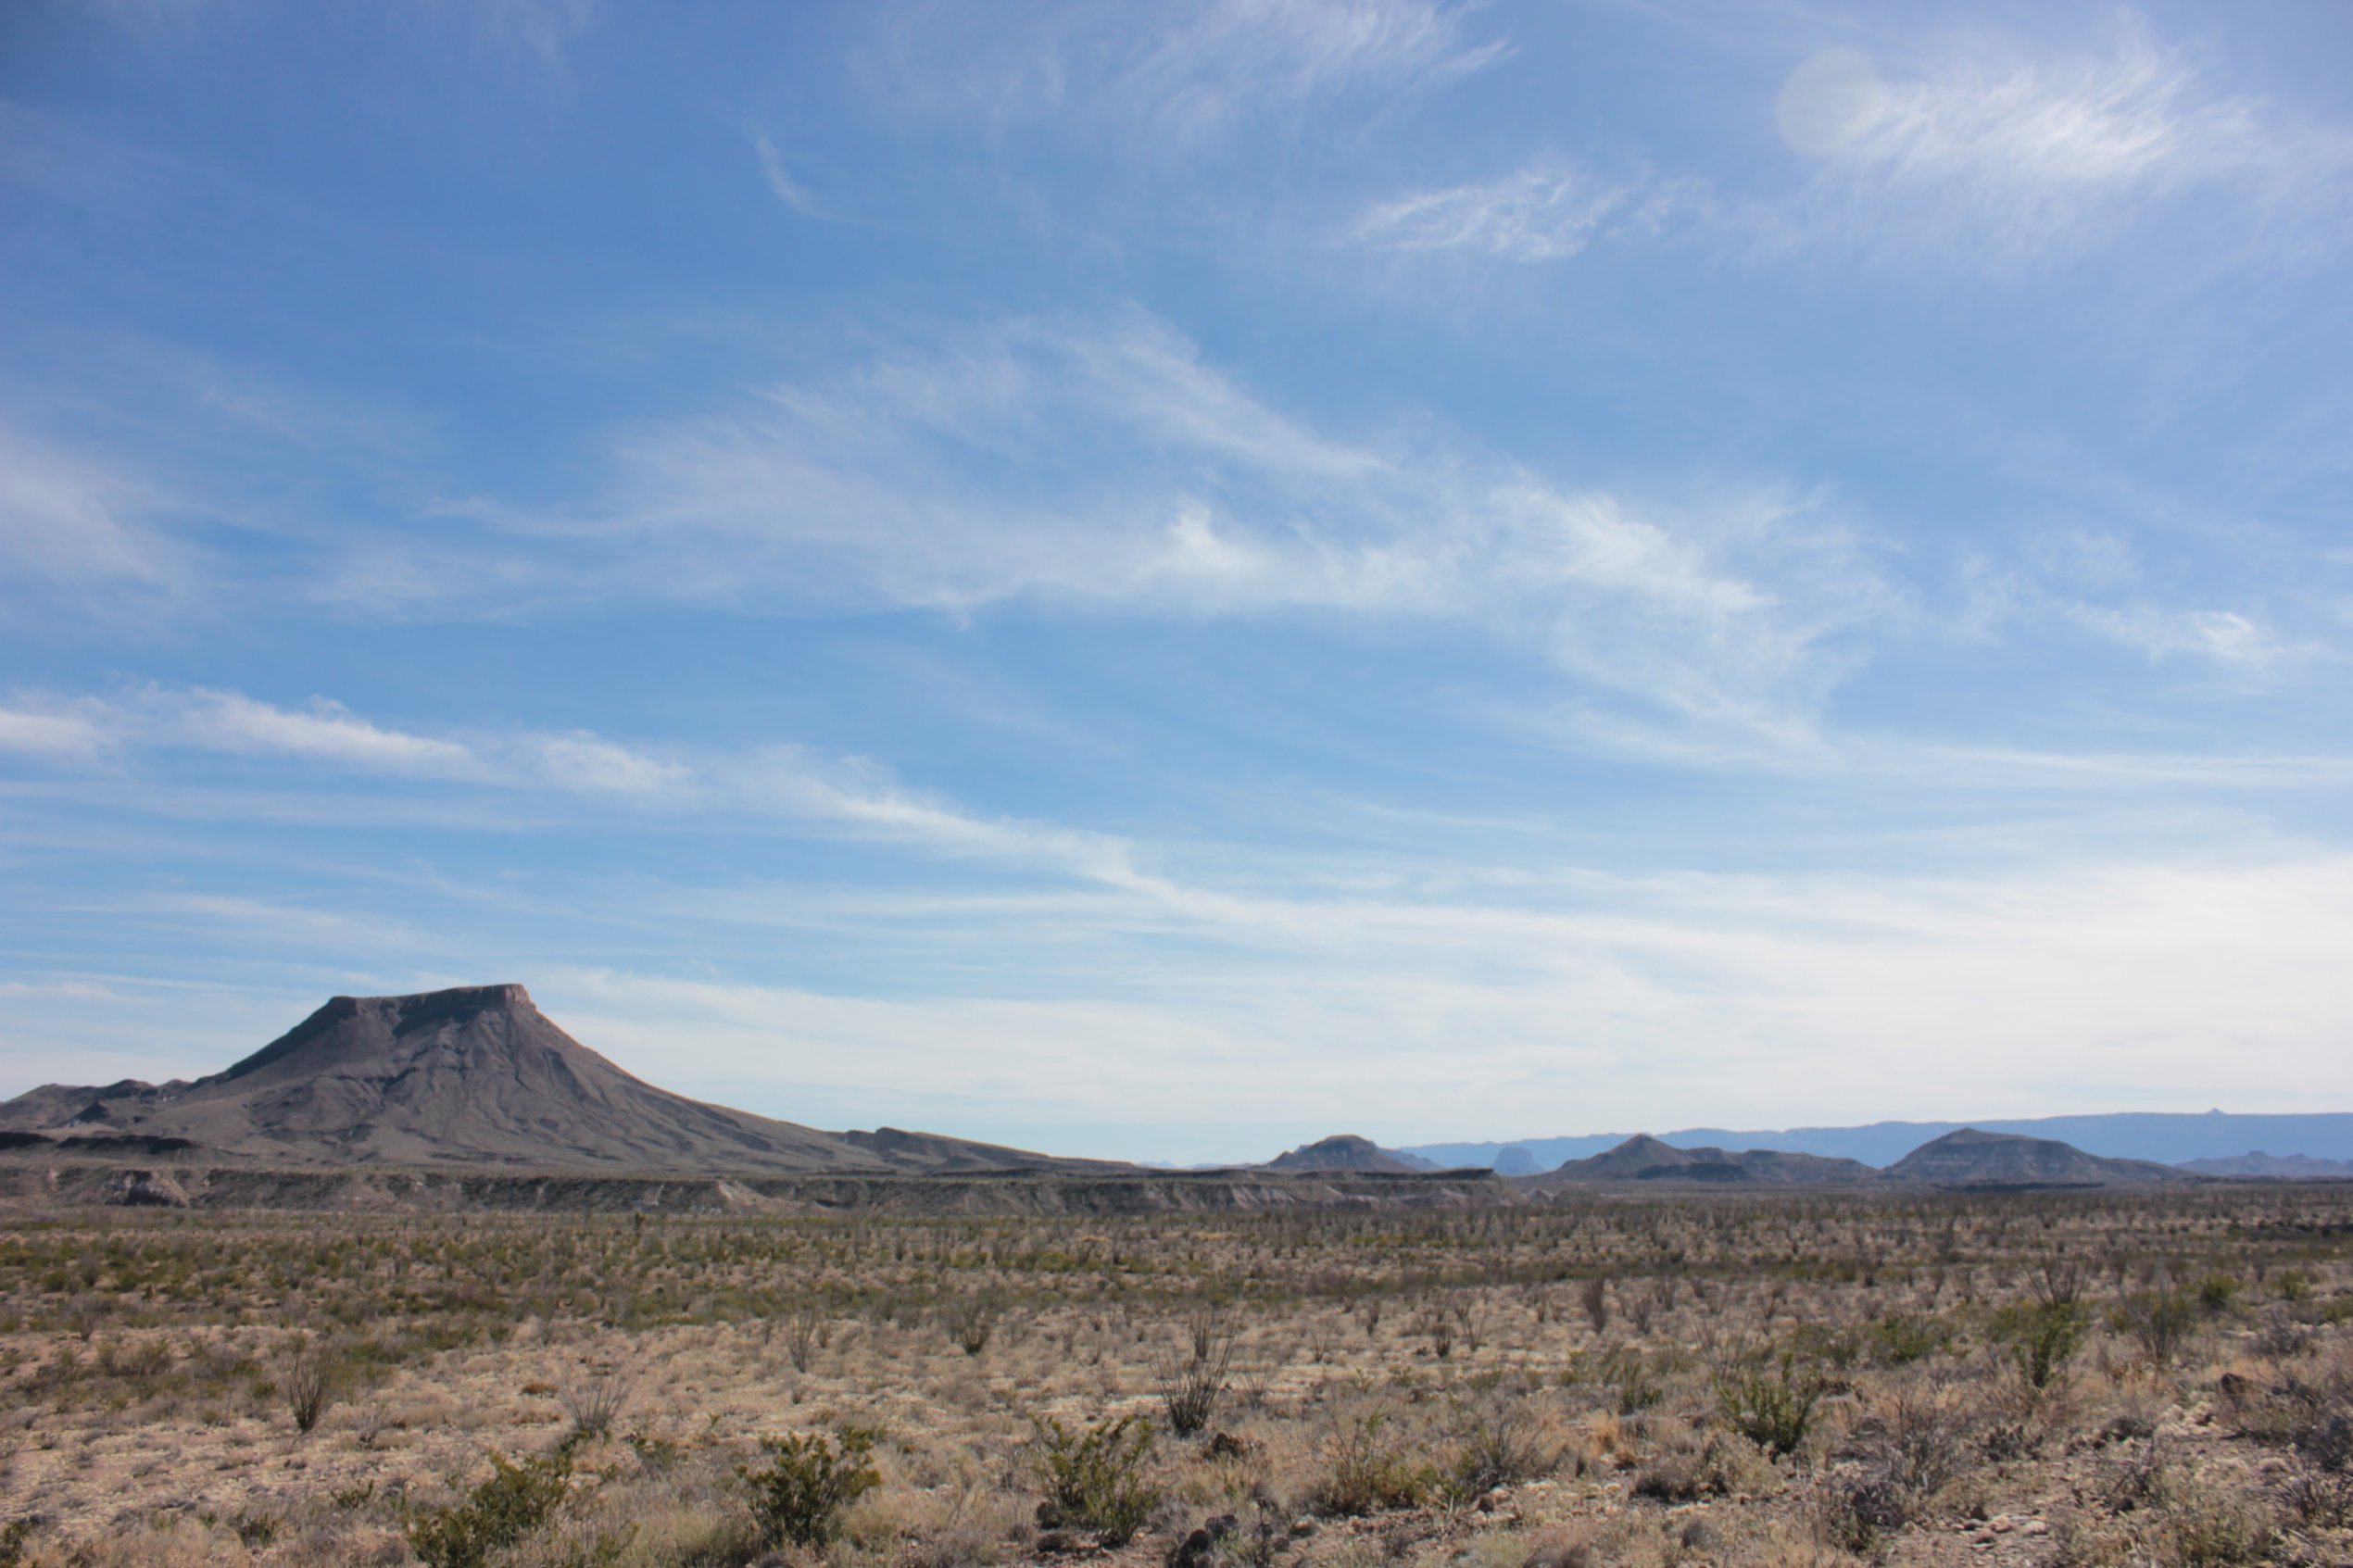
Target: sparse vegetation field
{"type": "Point", "coordinates": [2161, 1377]}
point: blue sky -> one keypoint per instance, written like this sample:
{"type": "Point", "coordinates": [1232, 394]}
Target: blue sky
{"type": "Point", "coordinates": [1166, 581]}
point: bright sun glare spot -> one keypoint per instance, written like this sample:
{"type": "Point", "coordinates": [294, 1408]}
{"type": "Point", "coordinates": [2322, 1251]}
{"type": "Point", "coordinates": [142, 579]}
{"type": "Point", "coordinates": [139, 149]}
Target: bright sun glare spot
{"type": "Point", "coordinates": [1828, 102]}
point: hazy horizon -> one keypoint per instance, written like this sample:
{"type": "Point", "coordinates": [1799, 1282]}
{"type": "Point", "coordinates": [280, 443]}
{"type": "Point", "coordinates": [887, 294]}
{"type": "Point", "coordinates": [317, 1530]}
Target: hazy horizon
{"type": "Point", "coordinates": [1172, 582]}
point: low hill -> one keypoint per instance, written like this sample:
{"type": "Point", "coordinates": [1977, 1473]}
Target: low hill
{"type": "Point", "coordinates": [1343, 1151]}
{"type": "Point", "coordinates": [477, 1075]}
{"type": "Point", "coordinates": [1973, 1160]}
{"type": "Point", "coordinates": [1645, 1159]}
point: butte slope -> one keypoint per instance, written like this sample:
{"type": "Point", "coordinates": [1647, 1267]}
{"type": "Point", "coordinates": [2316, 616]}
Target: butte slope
{"type": "Point", "coordinates": [474, 1076]}
{"type": "Point", "coordinates": [1971, 1159]}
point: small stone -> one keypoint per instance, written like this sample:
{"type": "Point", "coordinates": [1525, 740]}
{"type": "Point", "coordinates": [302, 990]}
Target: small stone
{"type": "Point", "coordinates": [1302, 1528]}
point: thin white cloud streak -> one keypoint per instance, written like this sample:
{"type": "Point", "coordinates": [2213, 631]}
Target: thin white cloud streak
{"type": "Point", "coordinates": [779, 179]}
{"type": "Point", "coordinates": [2094, 583]}
{"type": "Point", "coordinates": [67, 522]}
{"type": "Point", "coordinates": [1550, 210]}
{"type": "Point", "coordinates": [66, 735]}
{"type": "Point", "coordinates": [853, 795]}
{"type": "Point", "coordinates": [1178, 76]}
{"type": "Point", "coordinates": [2223, 637]}
{"type": "Point", "coordinates": [326, 731]}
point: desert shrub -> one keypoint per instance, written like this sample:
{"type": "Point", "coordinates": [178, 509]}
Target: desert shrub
{"type": "Point", "coordinates": [1367, 1470]}
{"type": "Point", "coordinates": [2318, 1497]}
{"type": "Point", "coordinates": [1095, 1478]}
{"type": "Point", "coordinates": [1853, 1512]}
{"type": "Point", "coordinates": [1252, 1538]}
{"type": "Point", "coordinates": [1901, 1339]}
{"type": "Point", "coordinates": [1593, 1294]}
{"type": "Point", "coordinates": [1191, 1383]}
{"type": "Point", "coordinates": [2198, 1524]}
{"type": "Point", "coordinates": [798, 1497]}
{"type": "Point", "coordinates": [516, 1501]}
{"type": "Point", "coordinates": [805, 1333]}
{"type": "Point", "coordinates": [1632, 1379]}
{"type": "Point", "coordinates": [13, 1538]}
{"type": "Point", "coordinates": [1688, 1468]}
{"type": "Point", "coordinates": [307, 1386]}
{"type": "Point", "coordinates": [1496, 1443]}
{"type": "Point", "coordinates": [970, 1317]}
{"type": "Point", "coordinates": [2160, 1321]}
{"type": "Point", "coordinates": [2282, 1339]}
{"type": "Point", "coordinates": [594, 1402]}
{"type": "Point", "coordinates": [2042, 1337]}
{"type": "Point", "coordinates": [1914, 1443]}
{"type": "Point", "coordinates": [1773, 1410]}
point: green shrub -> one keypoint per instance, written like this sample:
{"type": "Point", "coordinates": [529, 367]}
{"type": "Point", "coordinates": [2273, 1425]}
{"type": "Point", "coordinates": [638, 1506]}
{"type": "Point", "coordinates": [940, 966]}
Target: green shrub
{"type": "Point", "coordinates": [2217, 1293]}
{"type": "Point", "coordinates": [2160, 1321]}
{"type": "Point", "coordinates": [798, 1495]}
{"type": "Point", "coordinates": [496, 1514]}
{"type": "Point", "coordinates": [1771, 1410]}
{"type": "Point", "coordinates": [2042, 1337]}
{"type": "Point", "coordinates": [1901, 1339]}
{"type": "Point", "coordinates": [1370, 1470]}
{"type": "Point", "coordinates": [1095, 1478]}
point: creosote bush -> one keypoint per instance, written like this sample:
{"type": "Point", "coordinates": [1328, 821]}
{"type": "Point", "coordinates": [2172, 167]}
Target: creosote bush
{"type": "Point", "coordinates": [799, 1494]}
{"type": "Point", "coordinates": [1773, 1410]}
{"type": "Point", "coordinates": [1369, 1468]}
{"type": "Point", "coordinates": [502, 1511]}
{"type": "Point", "coordinates": [2043, 1338]}
{"type": "Point", "coordinates": [1094, 1477]}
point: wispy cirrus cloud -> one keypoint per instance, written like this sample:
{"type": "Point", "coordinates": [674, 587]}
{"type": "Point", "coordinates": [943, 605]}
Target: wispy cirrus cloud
{"type": "Point", "coordinates": [1185, 74]}
{"type": "Point", "coordinates": [1549, 210]}
{"type": "Point", "coordinates": [779, 179]}
{"type": "Point", "coordinates": [68, 522]}
{"type": "Point", "coordinates": [2014, 154]}
{"type": "Point", "coordinates": [1979, 146]}
{"type": "Point", "coordinates": [850, 794]}
{"type": "Point", "coordinates": [1106, 464]}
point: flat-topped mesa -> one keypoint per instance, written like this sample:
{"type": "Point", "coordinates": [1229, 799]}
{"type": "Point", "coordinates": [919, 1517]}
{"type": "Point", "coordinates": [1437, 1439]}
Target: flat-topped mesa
{"type": "Point", "coordinates": [398, 1016]}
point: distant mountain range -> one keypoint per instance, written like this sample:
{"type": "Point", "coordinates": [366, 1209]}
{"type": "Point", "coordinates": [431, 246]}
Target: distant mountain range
{"type": "Point", "coordinates": [2291, 1167]}
{"type": "Point", "coordinates": [476, 1078]}
{"type": "Point", "coordinates": [1966, 1160]}
{"type": "Point", "coordinates": [2167, 1138]}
